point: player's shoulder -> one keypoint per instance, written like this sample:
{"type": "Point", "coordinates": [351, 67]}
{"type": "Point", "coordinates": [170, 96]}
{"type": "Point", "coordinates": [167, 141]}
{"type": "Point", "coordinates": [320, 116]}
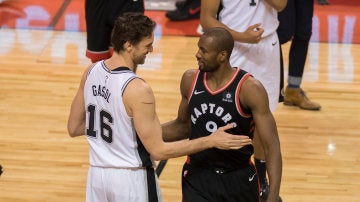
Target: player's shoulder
{"type": "Point", "coordinates": [187, 80]}
{"type": "Point", "coordinates": [139, 88]}
{"type": "Point", "coordinates": [190, 72]}
{"type": "Point", "coordinates": [139, 84]}
{"type": "Point", "coordinates": [189, 75]}
{"type": "Point", "coordinates": [252, 82]}
{"type": "Point", "coordinates": [252, 88]}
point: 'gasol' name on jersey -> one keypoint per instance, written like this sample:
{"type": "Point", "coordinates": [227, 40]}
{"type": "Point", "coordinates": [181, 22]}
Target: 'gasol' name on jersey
{"type": "Point", "coordinates": [101, 91]}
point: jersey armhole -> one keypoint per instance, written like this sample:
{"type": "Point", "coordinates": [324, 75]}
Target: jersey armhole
{"type": "Point", "coordinates": [193, 83]}
{"type": "Point", "coordinates": [123, 90]}
{"type": "Point", "coordinates": [237, 98]}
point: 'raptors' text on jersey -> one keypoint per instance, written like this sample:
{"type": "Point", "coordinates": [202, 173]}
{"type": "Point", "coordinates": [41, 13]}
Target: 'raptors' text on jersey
{"type": "Point", "coordinates": [210, 110]}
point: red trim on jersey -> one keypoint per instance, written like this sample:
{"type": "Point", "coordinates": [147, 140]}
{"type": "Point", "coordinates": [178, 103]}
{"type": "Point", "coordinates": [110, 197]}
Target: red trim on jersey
{"type": "Point", "coordinates": [252, 129]}
{"type": "Point", "coordinates": [222, 88]}
{"type": "Point", "coordinates": [237, 96]}
{"type": "Point", "coordinates": [193, 84]}
{"type": "Point", "coordinates": [188, 159]}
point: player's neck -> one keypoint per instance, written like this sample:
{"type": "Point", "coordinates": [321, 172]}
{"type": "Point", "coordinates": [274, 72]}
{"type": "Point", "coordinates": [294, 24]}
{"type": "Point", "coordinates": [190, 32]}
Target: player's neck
{"type": "Point", "coordinates": [120, 60]}
{"type": "Point", "coordinates": [220, 77]}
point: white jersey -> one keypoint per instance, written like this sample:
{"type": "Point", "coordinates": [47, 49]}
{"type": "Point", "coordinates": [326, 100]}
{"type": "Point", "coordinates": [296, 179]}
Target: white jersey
{"type": "Point", "coordinates": [240, 14]}
{"type": "Point", "coordinates": [262, 60]}
{"type": "Point", "coordinates": [110, 131]}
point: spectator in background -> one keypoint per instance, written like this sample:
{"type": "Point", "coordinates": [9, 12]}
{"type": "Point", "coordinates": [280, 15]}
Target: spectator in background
{"type": "Point", "coordinates": [185, 10]}
{"type": "Point", "coordinates": [296, 26]}
{"type": "Point", "coordinates": [100, 16]}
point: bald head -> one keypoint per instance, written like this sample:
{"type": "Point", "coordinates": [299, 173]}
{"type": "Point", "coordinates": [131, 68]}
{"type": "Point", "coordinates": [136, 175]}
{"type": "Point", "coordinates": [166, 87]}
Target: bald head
{"type": "Point", "coordinates": [221, 39]}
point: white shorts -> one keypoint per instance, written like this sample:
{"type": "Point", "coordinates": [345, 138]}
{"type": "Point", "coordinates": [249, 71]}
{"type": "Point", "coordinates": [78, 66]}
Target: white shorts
{"type": "Point", "coordinates": [120, 185]}
{"type": "Point", "coordinates": [262, 60]}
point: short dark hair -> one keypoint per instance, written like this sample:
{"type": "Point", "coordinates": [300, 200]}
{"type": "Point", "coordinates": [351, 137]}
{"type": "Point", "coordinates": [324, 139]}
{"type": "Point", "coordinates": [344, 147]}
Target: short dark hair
{"type": "Point", "coordinates": [223, 40]}
{"type": "Point", "coordinates": [132, 27]}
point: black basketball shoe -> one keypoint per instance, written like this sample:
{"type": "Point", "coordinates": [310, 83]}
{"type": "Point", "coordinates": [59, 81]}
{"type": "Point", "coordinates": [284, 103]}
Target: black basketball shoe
{"type": "Point", "coordinates": [180, 4]}
{"type": "Point", "coordinates": [185, 10]}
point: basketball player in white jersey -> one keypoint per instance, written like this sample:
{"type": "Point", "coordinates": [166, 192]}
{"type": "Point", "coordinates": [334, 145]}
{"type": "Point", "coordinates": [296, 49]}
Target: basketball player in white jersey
{"type": "Point", "coordinates": [253, 25]}
{"type": "Point", "coordinates": [116, 110]}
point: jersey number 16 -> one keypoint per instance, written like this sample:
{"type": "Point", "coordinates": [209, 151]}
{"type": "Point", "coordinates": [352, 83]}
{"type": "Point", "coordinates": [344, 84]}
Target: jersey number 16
{"type": "Point", "coordinates": [105, 120]}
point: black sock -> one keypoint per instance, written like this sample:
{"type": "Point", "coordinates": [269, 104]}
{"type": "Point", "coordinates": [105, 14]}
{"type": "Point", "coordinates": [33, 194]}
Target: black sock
{"type": "Point", "coordinates": [261, 169]}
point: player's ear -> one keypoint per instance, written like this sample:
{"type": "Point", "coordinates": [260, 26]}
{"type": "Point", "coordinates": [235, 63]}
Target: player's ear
{"type": "Point", "coordinates": [222, 55]}
{"type": "Point", "coordinates": [127, 46]}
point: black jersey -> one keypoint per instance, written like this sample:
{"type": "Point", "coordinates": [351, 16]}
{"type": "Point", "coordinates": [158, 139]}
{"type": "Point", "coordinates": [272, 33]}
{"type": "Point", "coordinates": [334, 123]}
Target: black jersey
{"type": "Point", "coordinates": [210, 110]}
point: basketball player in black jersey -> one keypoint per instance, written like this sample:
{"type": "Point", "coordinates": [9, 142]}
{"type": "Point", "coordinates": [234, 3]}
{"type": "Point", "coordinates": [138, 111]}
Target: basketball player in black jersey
{"type": "Point", "coordinates": [213, 96]}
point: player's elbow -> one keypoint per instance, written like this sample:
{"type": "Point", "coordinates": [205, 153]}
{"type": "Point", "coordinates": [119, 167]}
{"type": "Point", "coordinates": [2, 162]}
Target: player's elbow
{"type": "Point", "coordinates": [74, 131]}
{"type": "Point", "coordinates": [158, 156]}
{"type": "Point", "coordinates": [206, 21]}
{"type": "Point", "coordinates": [205, 25]}
{"type": "Point", "coordinates": [281, 6]}
{"type": "Point", "coordinates": [161, 153]}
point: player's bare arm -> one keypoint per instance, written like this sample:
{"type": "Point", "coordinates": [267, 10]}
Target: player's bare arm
{"type": "Point", "coordinates": [76, 120]}
{"type": "Point", "coordinates": [254, 96]}
{"type": "Point", "coordinates": [180, 128]}
{"type": "Point", "coordinates": [209, 9]}
{"type": "Point", "coordinates": [278, 5]}
{"type": "Point", "coordinates": [140, 104]}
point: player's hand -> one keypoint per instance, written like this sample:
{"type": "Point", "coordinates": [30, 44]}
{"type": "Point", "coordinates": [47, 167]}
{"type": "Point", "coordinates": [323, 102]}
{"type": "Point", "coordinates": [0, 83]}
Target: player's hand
{"type": "Point", "coordinates": [253, 33]}
{"type": "Point", "coordinates": [226, 141]}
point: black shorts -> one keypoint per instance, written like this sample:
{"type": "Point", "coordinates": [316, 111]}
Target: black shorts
{"type": "Point", "coordinates": [217, 185]}
{"type": "Point", "coordinates": [100, 16]}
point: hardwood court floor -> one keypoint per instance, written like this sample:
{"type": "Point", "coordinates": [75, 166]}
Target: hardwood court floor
{"type": "Point", "coordinates": [39, 75]}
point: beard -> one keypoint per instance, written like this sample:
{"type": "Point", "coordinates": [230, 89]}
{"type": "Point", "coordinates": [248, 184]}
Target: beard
{"type": "Point", "coordinates": [206, 68]}
{"type": "Point", "coordinates": [139, 60]}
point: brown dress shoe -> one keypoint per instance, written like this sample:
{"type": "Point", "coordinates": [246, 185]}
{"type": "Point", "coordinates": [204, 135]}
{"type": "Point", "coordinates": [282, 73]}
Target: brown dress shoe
{"type": "Point", "coordinates": [297, 97]}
